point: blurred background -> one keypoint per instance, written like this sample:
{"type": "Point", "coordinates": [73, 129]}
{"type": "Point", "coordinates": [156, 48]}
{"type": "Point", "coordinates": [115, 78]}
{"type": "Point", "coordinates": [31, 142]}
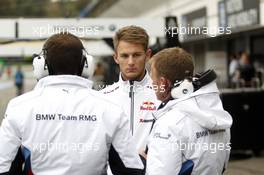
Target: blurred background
{"type": "Point", "coordinates": [225, 35]}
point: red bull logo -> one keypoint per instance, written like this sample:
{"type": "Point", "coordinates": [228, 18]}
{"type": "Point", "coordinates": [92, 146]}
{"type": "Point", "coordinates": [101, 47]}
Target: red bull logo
{"type": "Point", "coordinates": [148, 105]}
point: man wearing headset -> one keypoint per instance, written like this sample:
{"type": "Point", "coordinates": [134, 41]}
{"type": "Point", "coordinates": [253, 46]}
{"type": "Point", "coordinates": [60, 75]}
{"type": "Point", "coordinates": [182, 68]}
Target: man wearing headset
{"type": "Point", "coordinates": [63, 126]}
{"type": "Point", "coordinates": [191, 132]}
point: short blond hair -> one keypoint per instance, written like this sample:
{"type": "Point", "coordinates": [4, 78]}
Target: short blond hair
{"type": "Point", "coordinates": [173, 63]}
{"type": "Point", "coordinates": [131, 34]}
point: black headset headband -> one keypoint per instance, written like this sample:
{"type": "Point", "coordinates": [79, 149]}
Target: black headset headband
{"type": "Point", "coordinates": [49, 67]}
{"type": "Point", "coordinates": [202, 79]}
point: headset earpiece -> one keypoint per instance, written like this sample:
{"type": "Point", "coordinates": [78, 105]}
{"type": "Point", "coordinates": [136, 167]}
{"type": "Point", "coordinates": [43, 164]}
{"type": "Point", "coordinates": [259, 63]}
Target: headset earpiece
{"type": "Point", "coordinates": [191, 84]}
{"type": "Point", "coordinates": [88, 65]}
{"type": "Point", "coordinates": [182, 88]}
{"type": "Point", "coordinates": [40, 68]}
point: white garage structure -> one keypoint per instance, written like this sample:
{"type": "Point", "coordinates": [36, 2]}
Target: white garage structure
{"type": "Point", "coordinates": [33, 33]}
{"type": "Point", "coordinates": [27, 48]}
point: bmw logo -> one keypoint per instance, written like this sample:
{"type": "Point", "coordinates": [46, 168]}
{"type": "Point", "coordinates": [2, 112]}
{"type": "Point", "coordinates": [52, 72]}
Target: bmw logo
{"type": "Point", "coordinates": [112, 27]}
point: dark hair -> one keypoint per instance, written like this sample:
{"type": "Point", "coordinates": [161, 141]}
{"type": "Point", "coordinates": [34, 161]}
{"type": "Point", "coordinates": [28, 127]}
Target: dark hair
{"type": "Point", "coordinates": [63, 53]}
{"type": "Point", "coordinates": [173, 63]}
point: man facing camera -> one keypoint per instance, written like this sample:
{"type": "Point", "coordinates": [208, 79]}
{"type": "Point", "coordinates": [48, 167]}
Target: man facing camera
{"type": "Point", "coordinates": [191, 132]}
{"type": "Point", "coordinates": [134, 92]}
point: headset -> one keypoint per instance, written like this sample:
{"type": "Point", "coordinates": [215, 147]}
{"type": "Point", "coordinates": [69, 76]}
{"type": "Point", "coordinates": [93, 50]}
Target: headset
{"type": "Point", "coordinates": [42, 68]}
{"type": "Point", "coordinates": [191, 84]}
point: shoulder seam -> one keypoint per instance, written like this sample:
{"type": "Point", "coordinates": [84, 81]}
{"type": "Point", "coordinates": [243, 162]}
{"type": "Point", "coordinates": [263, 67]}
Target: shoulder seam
{"type": "Point", "coordinates": [111, 90]}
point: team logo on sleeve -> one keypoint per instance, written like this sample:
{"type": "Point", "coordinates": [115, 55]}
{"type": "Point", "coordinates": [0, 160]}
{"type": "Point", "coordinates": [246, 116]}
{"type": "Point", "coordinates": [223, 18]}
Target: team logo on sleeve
{"type": "Point", "coordinates": [162, 136]}
{"type": "Point", "coordinates": [142, 120]}
{"type": "Point", "coordinates": [148, 106]}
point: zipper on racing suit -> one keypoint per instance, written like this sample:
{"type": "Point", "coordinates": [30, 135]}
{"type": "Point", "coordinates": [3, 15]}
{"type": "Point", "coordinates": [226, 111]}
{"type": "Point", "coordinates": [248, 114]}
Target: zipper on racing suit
{"type": "Point", "coordinates": [131, 95]}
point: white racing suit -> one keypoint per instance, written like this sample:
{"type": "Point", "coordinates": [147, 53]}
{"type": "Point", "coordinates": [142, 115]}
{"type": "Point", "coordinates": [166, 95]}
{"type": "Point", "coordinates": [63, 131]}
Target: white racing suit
{"type": "Point", "coordinates": [191, 135]}
{"type": "Point", "coordinates": [66, 128]}
{"type": "Point", "coordinates": [145, 103]}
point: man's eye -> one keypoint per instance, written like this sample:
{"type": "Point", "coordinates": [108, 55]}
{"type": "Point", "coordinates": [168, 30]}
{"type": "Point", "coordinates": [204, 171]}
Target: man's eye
{"type": "Point", "coordinates": [124, 56]}
{"type": "Point", "coordinates": [137, 54]}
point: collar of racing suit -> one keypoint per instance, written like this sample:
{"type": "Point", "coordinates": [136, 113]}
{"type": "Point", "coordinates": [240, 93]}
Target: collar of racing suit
{"type": "Point", "coordinates": [210, 88]}
{"type": "Point", "coordinates": [144, 83]}
{"type": "Point", "coordinates": [64, 79]}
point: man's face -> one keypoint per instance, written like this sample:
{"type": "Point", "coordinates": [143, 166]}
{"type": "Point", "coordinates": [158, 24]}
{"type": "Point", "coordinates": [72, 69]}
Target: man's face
{"type": "Point", "coordinates": [131, 59]}
{"type": "Point", "coordinates": [157, 83]}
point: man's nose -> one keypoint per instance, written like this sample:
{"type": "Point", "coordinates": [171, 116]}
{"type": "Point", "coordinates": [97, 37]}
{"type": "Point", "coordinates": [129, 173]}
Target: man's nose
{"type": "Point", "coordinates": [131, 60]}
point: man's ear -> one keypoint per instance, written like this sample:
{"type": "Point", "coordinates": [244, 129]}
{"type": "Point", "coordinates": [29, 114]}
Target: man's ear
{"type": "Point", "coordinates": [148, 53]}
{"type": "Point", "coordinates": [165, 82]}
{"type": "Point", "coordinates": [115, 58]}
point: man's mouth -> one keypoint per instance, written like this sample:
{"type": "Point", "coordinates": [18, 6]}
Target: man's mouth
{"type": "Point", "coordinates": [131, 70]}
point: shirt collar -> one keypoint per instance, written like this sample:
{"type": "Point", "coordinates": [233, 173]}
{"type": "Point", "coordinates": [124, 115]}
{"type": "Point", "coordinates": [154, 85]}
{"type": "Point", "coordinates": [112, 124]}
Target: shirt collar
{"type": "Point", "coordinates": [143, 82]}
{"type": "Point", "coordinates": [64, 80]}
{"type": "Point", "coordinates": [168, 105]}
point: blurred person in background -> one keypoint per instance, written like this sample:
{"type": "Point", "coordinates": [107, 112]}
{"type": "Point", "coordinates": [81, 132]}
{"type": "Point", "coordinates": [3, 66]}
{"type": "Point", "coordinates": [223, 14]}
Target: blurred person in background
{"type": "Point", "coordinates": [246, 71]}
{"type": "Point", "coordinates": [191, 131]}
{"type": "Point", "coordinates": [19, 80]}
{"type": "Point", "coordinates": [233, 68]}
{"type": "Point", "coordinates": [98, 77]}
{"type": "Point", "coordinates": [8, 71]}
{"type": "Point", "coordinates": [2, 66]}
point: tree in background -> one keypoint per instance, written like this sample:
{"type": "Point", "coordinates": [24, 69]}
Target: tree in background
{"type": "Point", "coordinates": [41, 8]}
